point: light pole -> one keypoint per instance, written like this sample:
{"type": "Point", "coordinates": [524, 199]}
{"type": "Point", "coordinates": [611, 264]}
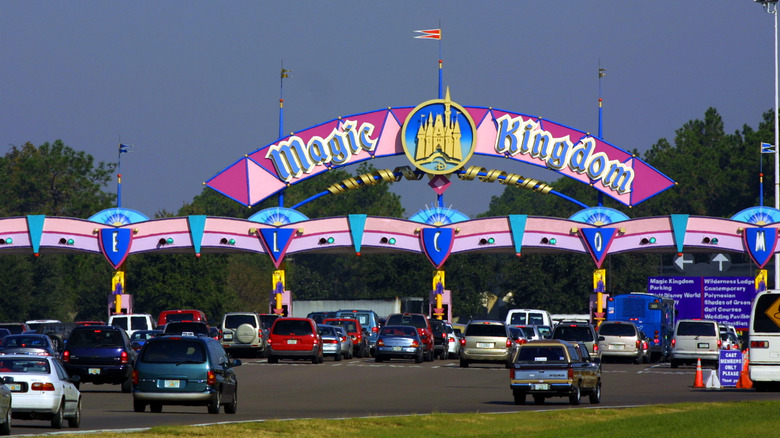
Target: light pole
{"type": "Point", "coordinates": [770, 6]}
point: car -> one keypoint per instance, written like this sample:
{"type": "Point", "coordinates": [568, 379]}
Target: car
{"type": "Point", "coordinates": [167, 316]}
{"type": "Point", "coordinates": [100, 355]}
{"type": "Point", "coordinates": [32, 344]}
{"type": "Point", "coordinates": [730, 337]}
{"type": "Point", "coordinates": [186, 328]}
{"type": "Point", "coordinates": [185, 371]}
{"type": "Point", "coordinates": [530, 332]}
{"type": "Point", "coordinates": [139, 337]}
{"type": "Point", "coordinates": [555, 368]}
{"type": "Point", "coordinates": [3, 334]}
{"type": "Point", "coordinates": [368, 320]}
{"type": "Point", "coordinates": [243, 333]}
{"type": "Point", "coordinates": [294, 338]}
{"type": "Point", "coordinates": [695, 339]}
{"type": "Point", "coordinates": [6, 399]}
{"type": "Point", "coordinates": [358, 335]}
{"type": "Point", "coordinates": [579, 331]}
{"type": "Point", "coordinates": [131, 322]}
{"type": "Point", "coordinates": [331, 341]}
{"type": "Point", "coordinates": [453, 342]}
{"type": "Point", "coordinates": [33, 324]}
{"type": "Point", "coordinates": [440, 341]}
{"type": "Point", "coordinates": [623, 340]}
{"type": "Point", "coordinates": [319, 317]}
{"type": "Point", "coordinates": [423, 326]}
{"type": "Point", "coordinates": [487, 341]}
{"type": "Point", "coordinates": [528, 317]}
{"type": "Point", "coordinates": [41, 389]}
{"type": "Point", "coordinates": [399, 342]}
{"type": "Point", "coordinates": [347, 347]}
{"type": "Point", "coordinates": [16, 328]}
{"type": "Point", "coordinates": [545, 331]}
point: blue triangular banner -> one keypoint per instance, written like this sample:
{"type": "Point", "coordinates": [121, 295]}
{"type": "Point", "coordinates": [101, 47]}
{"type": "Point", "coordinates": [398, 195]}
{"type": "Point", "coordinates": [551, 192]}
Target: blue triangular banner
{"type": "Point", "coordinates": [437, 244]}
{"type": "Point", "coordinates": [115, 244]}
{"type": "Point", "coordinates": [357, 223]}
{"type": "Point", "coordinates": [679, 227]}
{"type": "Point", "coordinates": [598, 240]}
{"type": "Point", "coordinates": [760, 244]}
{"type": "Point", "coordinates": [276, 241]}
{"type": "Point", "coordinates": [35, 227]}
{"type": "Point", "coordinates": [517, 225]}
{"type": "Point", "coordinates": [197, 226]}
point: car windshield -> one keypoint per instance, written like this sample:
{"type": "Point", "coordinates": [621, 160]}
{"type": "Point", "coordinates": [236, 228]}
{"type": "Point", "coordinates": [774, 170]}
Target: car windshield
{"type": "Point", "coordinates": [348, 325]}
{"type": "Point", "coordinates": [617, 330]}
{"type": "Point", "coordinates": [417, 321]}
{"type": "Point", "coordinates": [174, 351]}
{"type": "Point", "coordinates": [494, 330]}
{"type": "Point", "coordinates": [694, 328]}
{"type": "Point", "coordinates": [184, 327]}
{"type": "Point", "coordinates": [294, 327]}
{"type": "Point", "coordinates": [20, 365]}
{"type": "Point", "coordinates": [535, 318]}
{"type": "Point", "coordinates": [24, 342]}
{"type": "Point", "coordinates": [327, 331]}
{"type": "Point", "coordinates": [399, 330]}
{"type": "Point", "coordinates": [143, 336]}
{"type": "Point", "coordinates": [233, 321]}
{"type": "Point", "coordinates": [176, 317]}
{"type": "Point", "coordinates": [95, 338]}
{"type": "Point", "coordinates": [573, 333]}
{"type": "Point", "coordinates": [536, 354]}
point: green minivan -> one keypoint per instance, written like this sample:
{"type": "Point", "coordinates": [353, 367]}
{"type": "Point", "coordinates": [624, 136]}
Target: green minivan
{"type": "Point", "coordinates": [184, 370]}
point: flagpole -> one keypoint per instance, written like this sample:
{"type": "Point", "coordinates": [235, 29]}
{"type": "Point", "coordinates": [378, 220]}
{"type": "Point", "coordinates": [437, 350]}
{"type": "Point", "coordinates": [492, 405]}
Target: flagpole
{"type": "Point", "coordinates": [281, 118]}
{"type": "Point", "coordinates": [441, 69]}
{"type": "Point", "coordinates": [602, 73]}
{"type": "Point", "coordinates": [119, 175]}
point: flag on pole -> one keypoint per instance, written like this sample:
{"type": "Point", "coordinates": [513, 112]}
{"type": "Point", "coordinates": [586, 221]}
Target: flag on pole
{"type": "Point", "coordinates": [123, 148]}
{"type": "Point", "coordinates": [429, 34]}
{"type": "Point", "coordinates": [286, 73]}
{"type": "Point", "coordinates": [767, 148]}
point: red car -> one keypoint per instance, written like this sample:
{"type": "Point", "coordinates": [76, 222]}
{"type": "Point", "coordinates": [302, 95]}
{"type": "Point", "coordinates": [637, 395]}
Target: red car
{"type": "Point", "coordinates": [294, 338]}
{"type": "Point", "coordinates": [421, 323]}
{"type": "Point", "coordinates": [355, 331]}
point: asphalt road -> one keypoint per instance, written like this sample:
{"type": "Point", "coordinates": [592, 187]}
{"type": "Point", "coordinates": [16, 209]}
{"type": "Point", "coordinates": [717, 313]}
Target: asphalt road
{"type": "Point", "coordinates": [361, 387]}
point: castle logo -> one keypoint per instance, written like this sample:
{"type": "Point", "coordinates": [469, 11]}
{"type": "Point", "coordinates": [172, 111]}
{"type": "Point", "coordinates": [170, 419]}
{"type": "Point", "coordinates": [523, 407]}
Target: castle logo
{"type": "Point", "coordinates": [439, 136]}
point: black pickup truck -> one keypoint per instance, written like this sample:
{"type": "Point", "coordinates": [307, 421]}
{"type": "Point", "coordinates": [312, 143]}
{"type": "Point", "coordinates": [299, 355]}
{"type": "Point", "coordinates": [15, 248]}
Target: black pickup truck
{"type": "Point", "coordinates": [554, 368]}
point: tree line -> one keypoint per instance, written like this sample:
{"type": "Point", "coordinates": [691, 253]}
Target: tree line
{"type": "Point", "coordinates": [717, 175]}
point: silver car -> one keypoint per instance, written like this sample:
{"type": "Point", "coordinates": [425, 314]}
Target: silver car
{"type": "Point", "coordinates": [453, 342]}
{"type": "Point", "coordinates": [398, 342]}
{"type": "Point", "coordinates": [347, 347]}
{"type": "Point", "coordinates": [331, 341]}
{"type": "Point", "coordinates": [487, 341]}
{"type": "Point", "coordinates": [622, 339]}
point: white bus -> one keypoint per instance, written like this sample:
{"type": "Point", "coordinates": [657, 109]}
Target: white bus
{"type": "Point", "coordinates": [764, 352]}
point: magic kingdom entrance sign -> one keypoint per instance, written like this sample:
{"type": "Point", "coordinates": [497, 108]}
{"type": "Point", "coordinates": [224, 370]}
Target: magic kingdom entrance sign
{"type": "Point", "coordinates": [439, 137]}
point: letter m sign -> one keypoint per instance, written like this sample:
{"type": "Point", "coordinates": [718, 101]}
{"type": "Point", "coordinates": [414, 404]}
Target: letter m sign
{"type": "Point", "coordinates": [760, 244]}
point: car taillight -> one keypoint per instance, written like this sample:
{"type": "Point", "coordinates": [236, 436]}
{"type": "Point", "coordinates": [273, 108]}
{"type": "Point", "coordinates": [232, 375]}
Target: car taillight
{"type": "Point", "coordinates": [124, 358]}
{"type": "Point", "coordinates": [259, 333]}
{"type": "Point", "coordinates": [375, 329]}
{"type": "Point", "coordinates": [329, 341]}
{"type": "Point", "coordinates": [674, 342]}
{"type": "Point", "coordinates": [759, 344]}
{"type": "Point", "coordinates": [211, 378]}
{"type": "Point", "coordinates": [415, 344]}
{"type": "Point", "coordinates": [463, 342]}
{"type": "Point", "coordinates": [511, 373]}
{"type": "Point", "coordinates": [720, 344]}
{"type": "Point", "coordinates": [380, 343]}
{"type": "Point", "coordinates": [66, 356]}
{"type": "Point", "coordinates": [452, 339]}
{"type": "Point", "coordinates": [135, 377]}
{"type": "Point", "coordinates": [570, 372]}
{"type": "Point", "coordinates": [638, 344]}
{"type": "Point", "coordinates": [595, 348]}
{"type": "Point", "coordinates": [508, 343]}
{"type": "Point", "coordinates": [38, 386]}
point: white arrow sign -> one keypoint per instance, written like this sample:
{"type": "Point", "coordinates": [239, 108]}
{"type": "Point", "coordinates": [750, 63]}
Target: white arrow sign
{"type": "Point", "coordinates": [682, 260]}
{"type": "Point", "coordinates": [721, 259]}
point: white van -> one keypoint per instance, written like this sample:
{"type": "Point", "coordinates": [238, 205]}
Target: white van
{"type": "Point", "coordinates": [132, 322]}
{"type": "Point", "coordinates": [529, 317]}
{"type": "Point", "coordinates": [695, 339]}
{"type": "Point", "coordinates": [764, 330]}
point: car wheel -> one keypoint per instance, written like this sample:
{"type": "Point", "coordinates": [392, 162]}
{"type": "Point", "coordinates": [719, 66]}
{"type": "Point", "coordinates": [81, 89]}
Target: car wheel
{"type": "Point", "coordinates": [273, 359]}
{"type": "Point", "coordinates": [595, 396]}
{"type": "Point", "coordinates": [5, 429]}
{"type": "Point", "coordinates": [418, 358]}
{"type": "Point", "coordinates": [464, 363]}
{"type": "Point", "coordinates": [56, 420]}
{"type": "Point", "coordinates": [139, 406]}
{"type": "Point", "coordinates": [231, 407]}
{"type": "Point", "coordinates": [378, 358]}
{"type": "Point", "coordinates": [539, 399]}
{"type": "Point", "coordinates": [315, 359]}
{"type": "Point", "coordinates": [674, 363]}
{"type": "Point", "coordinates": [215, 402]}
{"type": "Point", "coordinates": [519, 397]}
{"type": "Point", "coordinates": [337, 357]}
{"type": "Point", "coordinates": [444, 355]}
{"type": "Point", "coordinates": [155, 407]}
{"type": "Point", "coordinates": [430, 356]}
{"type": "Point", "coordinates": [574, 397]}
{"type": "Point", "coordinates": [75, 421]}
{"type": "Point", "coordinates": [127, 386]}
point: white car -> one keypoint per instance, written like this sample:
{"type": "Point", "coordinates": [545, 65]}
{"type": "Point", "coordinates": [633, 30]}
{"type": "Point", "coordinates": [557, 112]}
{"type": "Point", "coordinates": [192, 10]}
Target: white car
{"type": "Point", "coordinates": [41, 390]}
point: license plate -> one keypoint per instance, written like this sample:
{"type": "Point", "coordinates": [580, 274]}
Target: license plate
{"type": "Point", "coordinates": [616, 346]}
{"type": "Point", "coordinates": [396, 348]}
{"type": "Point", "coordinates": [93, 371]}
{"type": "Point", "coordinates": [227, 336]}
{"type": "Point", "coordinates": [171, 383]}
{"type": "Point", "coordinates": [485, 345]}
{"type": "Point", "coordinates": [14, 386]}
{"type": "Point", "coordinates": [540, 386]}
{"type": "Point", "coordinates": [704, 345]}
{"type": "Point", "coordinates": [292, 341]}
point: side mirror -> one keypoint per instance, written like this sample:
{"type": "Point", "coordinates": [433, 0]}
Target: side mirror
{"type": "Point", "coordinates": [235, 363]}
{"type": "Point", "coordinates": [8, 379]}
{"type": "Point", "coordinates": [601, 338]}
{"type": "Point", "coordinates": [74, 379]}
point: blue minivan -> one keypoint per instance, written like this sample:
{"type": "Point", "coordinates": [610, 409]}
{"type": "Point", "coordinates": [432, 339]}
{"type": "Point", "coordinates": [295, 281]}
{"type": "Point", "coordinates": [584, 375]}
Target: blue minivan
{"type": "Point", "coordinates": [185, 371]}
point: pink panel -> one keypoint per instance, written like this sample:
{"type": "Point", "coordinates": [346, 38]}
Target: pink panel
{"type": "Point", "coordinates": [232, 182]}
{"type": "Point", "coordinates": [390, 142]}
{"type": "Point", "coordinates": [261, 183]}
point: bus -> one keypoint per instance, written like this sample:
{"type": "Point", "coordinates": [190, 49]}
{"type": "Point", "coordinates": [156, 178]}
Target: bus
{"type": "Point", "coordinates": [764, 332]}
{"type": "Point", "coordinates": [652, 314]}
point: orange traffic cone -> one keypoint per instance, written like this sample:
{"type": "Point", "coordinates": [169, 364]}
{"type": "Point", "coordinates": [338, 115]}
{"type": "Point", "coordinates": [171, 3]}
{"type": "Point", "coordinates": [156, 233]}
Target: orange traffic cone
{"type": "Point", "coordinates": [699, 382]}
{"type": "Point", "coordinates": [744, 376]}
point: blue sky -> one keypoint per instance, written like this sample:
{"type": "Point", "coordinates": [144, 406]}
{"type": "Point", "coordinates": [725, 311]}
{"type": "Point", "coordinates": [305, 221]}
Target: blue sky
{"type": "Point", "coordinates": [194, 85]}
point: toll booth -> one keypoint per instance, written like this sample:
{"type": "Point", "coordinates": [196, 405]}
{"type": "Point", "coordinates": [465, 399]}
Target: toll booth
{"type": "Point", "coordinates": [125, 307]}
{"type": "Point", "coordinates": [446, 305]}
